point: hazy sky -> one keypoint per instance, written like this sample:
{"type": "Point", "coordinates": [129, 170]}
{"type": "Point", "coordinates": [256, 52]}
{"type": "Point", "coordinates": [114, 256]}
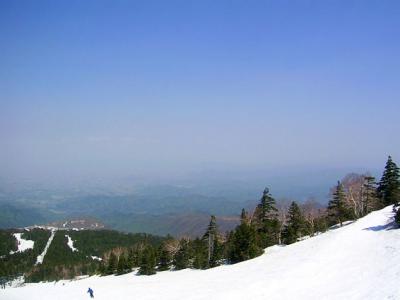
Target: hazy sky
{"type": "Point", "coordinates": [107, 88]}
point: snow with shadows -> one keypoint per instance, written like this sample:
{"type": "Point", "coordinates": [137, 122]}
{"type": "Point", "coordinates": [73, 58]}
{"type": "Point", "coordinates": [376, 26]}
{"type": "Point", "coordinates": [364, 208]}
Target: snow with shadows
{"type": "Point", "coordinates": [358, 261]}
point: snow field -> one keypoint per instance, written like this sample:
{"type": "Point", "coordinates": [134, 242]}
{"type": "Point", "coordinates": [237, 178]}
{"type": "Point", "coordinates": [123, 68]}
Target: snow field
{"type": "Point", "coordinates": [358, 261]}
{"type": "Point", "coordinates": [22, 243]}
{"type": "Point", "coordinates": [71, 243]}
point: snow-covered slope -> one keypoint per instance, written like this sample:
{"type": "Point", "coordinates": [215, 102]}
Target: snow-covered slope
{"type": "Point", "coordinates": [40, 258]}
{"type": "Point", "coordinates": [70, 243]}
{"type": "Point", "coordinates": [358, 261]}
{"type": "Point", "coordinates": [23, 244]}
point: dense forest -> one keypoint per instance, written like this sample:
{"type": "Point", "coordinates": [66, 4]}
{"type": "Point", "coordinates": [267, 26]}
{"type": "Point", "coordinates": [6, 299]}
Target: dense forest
{"type": "Point", "coordinates": [270, 223]}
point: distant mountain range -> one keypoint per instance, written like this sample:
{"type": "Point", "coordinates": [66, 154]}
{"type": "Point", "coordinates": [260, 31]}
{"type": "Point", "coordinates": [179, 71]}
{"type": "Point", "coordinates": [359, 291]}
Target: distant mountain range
{"type": "Point", "coordinates": [157, 208]}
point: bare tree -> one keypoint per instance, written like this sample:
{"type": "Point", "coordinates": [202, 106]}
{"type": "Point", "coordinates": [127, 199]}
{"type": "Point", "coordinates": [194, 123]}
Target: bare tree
{"type": "Point", "coordinates": [283, 206]}
{"type": "Point", "coordinates": [312, 210]}
{"type": "Point", "coordinates": [172, 246]}
{"type": "Point", "coordinates": [355, 186]}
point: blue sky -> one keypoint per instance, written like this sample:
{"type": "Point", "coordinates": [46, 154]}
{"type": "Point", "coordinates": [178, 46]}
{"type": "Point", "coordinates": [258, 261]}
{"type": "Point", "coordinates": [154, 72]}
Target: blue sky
{"type": "Point", "coordinates": [118, 88]}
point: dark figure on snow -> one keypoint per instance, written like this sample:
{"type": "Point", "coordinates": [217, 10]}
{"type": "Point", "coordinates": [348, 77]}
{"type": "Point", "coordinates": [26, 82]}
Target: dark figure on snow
{"type": "Point", "coordinates": [90, 291]}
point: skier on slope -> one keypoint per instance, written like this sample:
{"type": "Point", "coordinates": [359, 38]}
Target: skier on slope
{"type": "Point", "coordinates": [90, 291]}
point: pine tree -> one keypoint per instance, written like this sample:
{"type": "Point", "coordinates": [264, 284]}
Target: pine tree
{"type": "Point", "coordinates": [123, 266]}
{"type": "Point", "coordinates": [214, 250]}
{"type": "Point", "coordinates": [102, 268]}
{"type": "Point", "coordinates": [200, 253]}
{"type": "Point", "coordinates": [321, 224]}
{"type": "Point", "coordinates": [370, 199]}
{"type": "Point", "coordinates": [397, 217]}
{"type": "Point", "coordinates": [242, 242]}
{"type": "Point", "coordinates": [337, 207]}
{"type": "Point", "coordinates": [266, 221]}
{"type": "Point", "coordinates": [296, 224]}
{"type": "Point", "coordinates": [266, 209]}
{"type": "Point", "coordinates": [182, 256]}
{"type": "Point", "coordinates": [389, 185]}
{"type": "Point", "coordinates": [132, 260]}
{"type": "Point", "coordinates": [112, 264]}
{"type": "Point", "coordinates": [165, 258]}
{"type": "Point", "coordinates": [148, 261]}
{"type": "Point", "coordinates": [244, 216]}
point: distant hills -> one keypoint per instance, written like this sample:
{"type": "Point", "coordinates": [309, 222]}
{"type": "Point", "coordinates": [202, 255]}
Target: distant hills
{"type": "Point", "coordinates": [178, 225]}
{"type": "Point", "coordinates": [160, 210]}
{"type": "Point", "coordinates": [12, 216]}
{"type": "Point", "coordinates": [152, 208]}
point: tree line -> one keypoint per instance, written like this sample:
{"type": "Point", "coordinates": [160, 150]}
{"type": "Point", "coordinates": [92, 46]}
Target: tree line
{"type": "Point", "coordinates": [352, 198]}
{"type": "Point", "coordinates": [269, 223]}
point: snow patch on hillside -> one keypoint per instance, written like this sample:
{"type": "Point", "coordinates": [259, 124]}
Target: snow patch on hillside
{"type": "Point", "coordinates": [40, 258]}
{"type": "Point", "coordinates": [71, 243]}
{"type": "Point", "coordinates": [23, 244]}
{"type": "Point", "coordinates": [358, 261]}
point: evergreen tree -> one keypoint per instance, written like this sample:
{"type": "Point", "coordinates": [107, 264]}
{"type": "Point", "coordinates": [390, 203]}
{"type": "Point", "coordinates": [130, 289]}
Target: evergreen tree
{"type": "Point", "coordinates": [266, 209]}
{"type": "Point", "coordinates": [165, 258]}
{"type": "Point", "coordinates": [182, 256]}
{"type": "Point", "coordinates": [102, 269]}
{"type": "Point", "coordinates": [296, 226]}
{"type": "Point", "coordinates": [244, 216]}
{"type": "Point", "coordinates": [389, 185]}
{"type": "Point", "coordinates": [370, 199]}
{"type": "Point", "coordinates": [397, 217]}
{"type": "Point", "coordinates": [112, 264]}
{"type": "Point", "coordinates": [338, 210]}
{"type": "Point", "coordinates": [321, 224]}
{"type": "Point", "coordinates": [266, 221]}
{"type": "Point", "coordinates": [132, 259]}
{"type": "Point", "coordinates": [243, 242]}
{"type": "Point", "coordinates": [214, 250]}
{"type": "Point", "coordinates": [148, 261]}
{"type": "Point", "coordinates": [200, 253]}
{"type": "Point", "coordinates": [123, 266]}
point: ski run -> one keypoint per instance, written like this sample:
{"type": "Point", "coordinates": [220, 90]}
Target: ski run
{"type": "Point", "coordinates": [40, 258]}
{"type": "Point", "coordinates": [22, 243]}
{"type": "Point", "coordinates": [358, 261]}
{"type": "Point", "coordinates": [70, 243]}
